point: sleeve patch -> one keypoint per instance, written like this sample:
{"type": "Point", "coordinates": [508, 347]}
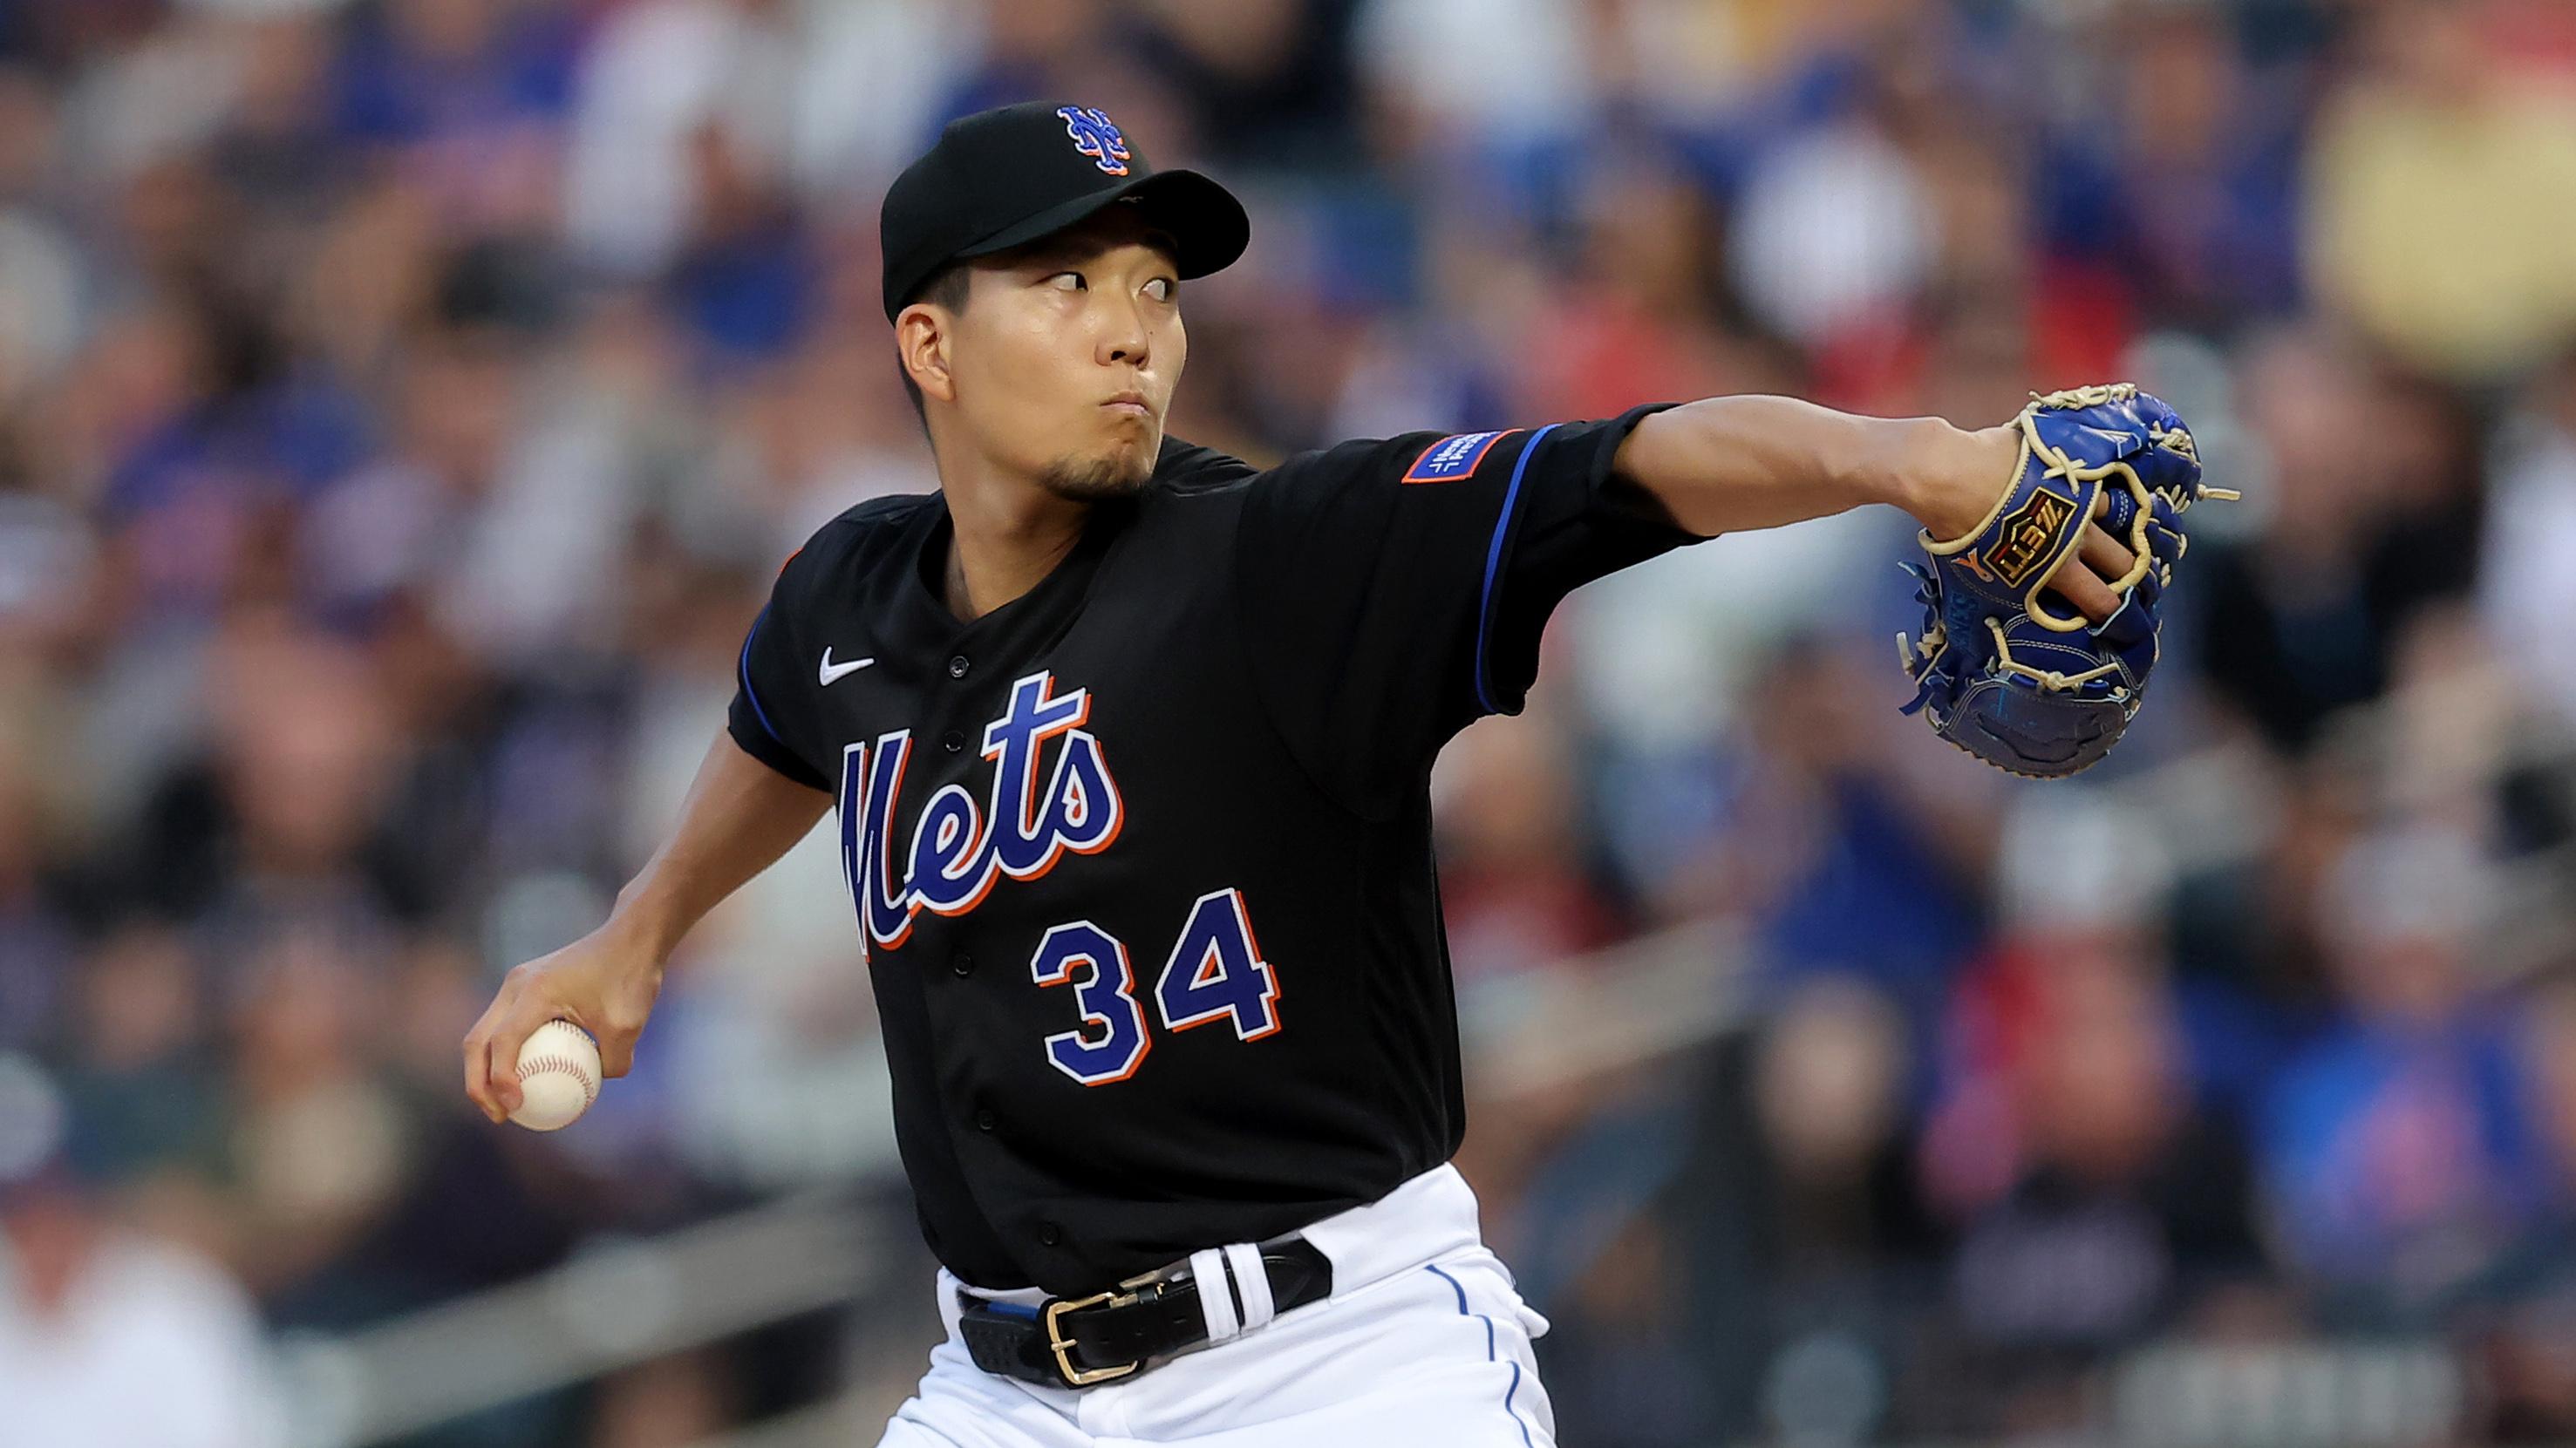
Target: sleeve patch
{"type": "Point", "coordinates": [1453, 457]}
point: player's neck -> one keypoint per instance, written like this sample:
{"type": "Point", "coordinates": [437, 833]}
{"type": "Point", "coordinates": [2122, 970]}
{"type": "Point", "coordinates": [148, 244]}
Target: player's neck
{"type": "Point", "coordinates": [1004, 540]}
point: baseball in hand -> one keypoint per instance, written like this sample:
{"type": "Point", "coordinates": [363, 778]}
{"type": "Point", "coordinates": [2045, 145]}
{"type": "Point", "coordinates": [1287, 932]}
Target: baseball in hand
{"type": "Point", "coordinates": [558, 1076]}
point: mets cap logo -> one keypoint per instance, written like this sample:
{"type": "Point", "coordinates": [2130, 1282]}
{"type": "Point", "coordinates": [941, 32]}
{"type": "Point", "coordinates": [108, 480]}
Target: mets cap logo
{"type": "Point", "coordinates": [1096, 136]}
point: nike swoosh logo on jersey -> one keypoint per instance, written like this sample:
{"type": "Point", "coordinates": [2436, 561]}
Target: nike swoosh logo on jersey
{"type": "Point", "coordinates": [831, 671]}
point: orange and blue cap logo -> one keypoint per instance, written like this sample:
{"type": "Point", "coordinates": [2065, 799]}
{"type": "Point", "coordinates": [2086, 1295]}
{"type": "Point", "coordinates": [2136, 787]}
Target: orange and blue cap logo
{"type": "Point", "coordinates": [1096, 136]}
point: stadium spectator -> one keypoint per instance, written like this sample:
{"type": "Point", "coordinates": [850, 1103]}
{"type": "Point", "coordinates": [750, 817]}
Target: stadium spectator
{"type": "Point", "coordinates": [2394, 1147]}
{"type": "Point", "coordinates": [111, 1336]}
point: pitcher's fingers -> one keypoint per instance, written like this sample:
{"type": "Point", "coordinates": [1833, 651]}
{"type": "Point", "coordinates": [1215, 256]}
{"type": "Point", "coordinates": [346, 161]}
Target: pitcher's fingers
{"type": "Point", "coordinates": [528, 1014]}
{"type": "Point", "coordinates": [2108, 557]}
{"type": "Point", "coordinates": [478, 1055]}
{"type": "Point", "coordinates": [2075, 583]}
{"type": "Point", "coordinates": [616, 1052]}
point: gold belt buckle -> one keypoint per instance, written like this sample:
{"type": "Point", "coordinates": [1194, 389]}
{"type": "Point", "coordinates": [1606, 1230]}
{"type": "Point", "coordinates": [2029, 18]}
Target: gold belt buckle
{"type": "Point", "coordinates": [1063, 1346]}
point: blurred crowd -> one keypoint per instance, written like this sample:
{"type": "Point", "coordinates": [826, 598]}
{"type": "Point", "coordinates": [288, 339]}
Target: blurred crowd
{"type": "Point", "coordinates": [404, 403]}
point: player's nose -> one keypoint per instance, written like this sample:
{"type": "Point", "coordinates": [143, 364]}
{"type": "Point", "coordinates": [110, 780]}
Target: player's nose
{"type": "Point", "coordinates": [1123, 336]}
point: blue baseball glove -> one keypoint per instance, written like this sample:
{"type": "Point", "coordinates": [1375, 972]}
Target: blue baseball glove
{"type": "Point", "coordinates": [2000, 671]}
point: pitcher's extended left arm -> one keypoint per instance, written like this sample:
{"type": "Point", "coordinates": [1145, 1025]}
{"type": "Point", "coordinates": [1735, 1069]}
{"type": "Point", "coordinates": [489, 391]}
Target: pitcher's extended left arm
{"type": "Point", "coordinates": [1736, 464]}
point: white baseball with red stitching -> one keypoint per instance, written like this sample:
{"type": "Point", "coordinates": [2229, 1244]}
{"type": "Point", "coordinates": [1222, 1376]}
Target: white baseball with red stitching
{"type": "Point", "coordinates": [559, 1076]}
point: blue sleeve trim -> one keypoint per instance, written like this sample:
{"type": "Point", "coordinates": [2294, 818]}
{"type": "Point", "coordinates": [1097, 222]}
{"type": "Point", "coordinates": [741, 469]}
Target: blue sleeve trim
{"type": "Point", "coordinates": [1464, 1311]}
{"type": "Point", "coordinates": [742, 673]}
{"type": "Point", "coordinates": [1494, 566]}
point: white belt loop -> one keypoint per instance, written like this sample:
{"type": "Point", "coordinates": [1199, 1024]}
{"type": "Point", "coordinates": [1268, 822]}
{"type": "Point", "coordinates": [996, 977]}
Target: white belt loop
{"type": "Point", "coordinates": [1253, 1281]}
{"type": "Point", "coordinates": [1208, 1270]}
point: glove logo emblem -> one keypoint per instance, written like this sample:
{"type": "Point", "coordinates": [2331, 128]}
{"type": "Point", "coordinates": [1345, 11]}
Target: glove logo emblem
{"type": "Point", "coordinates": [2026, 536]}
{"type": "Point", "coordinates": [1096, 136]}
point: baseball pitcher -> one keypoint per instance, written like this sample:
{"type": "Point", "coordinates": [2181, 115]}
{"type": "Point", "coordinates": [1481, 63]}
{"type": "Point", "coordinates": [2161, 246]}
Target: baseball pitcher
{"type": "Point", "coordinates": [1127, 742]}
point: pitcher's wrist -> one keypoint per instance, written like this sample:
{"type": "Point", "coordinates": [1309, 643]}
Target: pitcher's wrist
{"type": "Point", "coordinates": [642, 928]}
{"type": "Point", "coordinates": [1954, 476]}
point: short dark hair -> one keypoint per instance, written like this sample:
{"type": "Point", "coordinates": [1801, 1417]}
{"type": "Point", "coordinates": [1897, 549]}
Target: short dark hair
{"type": "Point", "coordinates": [946, 287]}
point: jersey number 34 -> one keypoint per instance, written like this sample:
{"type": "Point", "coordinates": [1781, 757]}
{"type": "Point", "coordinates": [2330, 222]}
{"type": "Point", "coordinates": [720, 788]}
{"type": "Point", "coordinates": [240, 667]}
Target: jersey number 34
{"type": "Point", "coordinates": [1215, 973]}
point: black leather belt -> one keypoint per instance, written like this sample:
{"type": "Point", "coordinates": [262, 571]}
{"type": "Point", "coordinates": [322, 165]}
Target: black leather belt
{"type": "Point", "coordinates": [1076, 1342]}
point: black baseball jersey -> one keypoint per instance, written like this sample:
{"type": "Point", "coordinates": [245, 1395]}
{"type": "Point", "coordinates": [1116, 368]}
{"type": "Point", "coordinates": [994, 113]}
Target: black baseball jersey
{"type": "Point", "coordinates": [1142, 859]}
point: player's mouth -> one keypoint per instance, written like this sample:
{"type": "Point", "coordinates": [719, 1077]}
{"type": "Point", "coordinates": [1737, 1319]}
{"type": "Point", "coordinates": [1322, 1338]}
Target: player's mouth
{"type": "Point", "coordinates": [1130, 404]}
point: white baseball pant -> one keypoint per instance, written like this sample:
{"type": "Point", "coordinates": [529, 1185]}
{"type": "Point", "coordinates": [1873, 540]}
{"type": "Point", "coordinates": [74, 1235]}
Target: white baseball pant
{"type": "Point", "coordinates": [1423, 1341]}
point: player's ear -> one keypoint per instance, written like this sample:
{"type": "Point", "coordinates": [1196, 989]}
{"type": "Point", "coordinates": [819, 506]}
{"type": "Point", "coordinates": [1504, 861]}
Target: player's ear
{"type": "Point", "coordinates": [921, 339]}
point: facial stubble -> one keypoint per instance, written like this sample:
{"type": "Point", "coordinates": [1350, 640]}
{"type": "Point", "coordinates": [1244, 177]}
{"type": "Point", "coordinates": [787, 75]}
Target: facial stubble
{"type": "Point", "coordinates": [1094, 479]}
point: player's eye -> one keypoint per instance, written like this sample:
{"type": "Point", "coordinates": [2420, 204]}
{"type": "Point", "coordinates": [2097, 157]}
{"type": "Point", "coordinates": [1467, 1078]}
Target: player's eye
{"type": "Point", "coordinates": [1069, 281]}
{"type": "Point", "coordinates": [1162, 289]}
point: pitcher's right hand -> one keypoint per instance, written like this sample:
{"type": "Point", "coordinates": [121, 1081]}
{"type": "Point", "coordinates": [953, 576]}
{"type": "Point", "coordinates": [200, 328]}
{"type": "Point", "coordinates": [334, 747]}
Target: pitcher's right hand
{"type": "Point", "coordinates": [604, 983]}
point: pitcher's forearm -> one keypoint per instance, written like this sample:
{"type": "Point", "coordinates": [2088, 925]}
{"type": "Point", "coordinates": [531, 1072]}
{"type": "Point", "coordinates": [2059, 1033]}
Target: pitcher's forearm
{"type": "Point", "coordinates": [1736, 464]}
{"type": "Point", "coordinates": [739, 817]}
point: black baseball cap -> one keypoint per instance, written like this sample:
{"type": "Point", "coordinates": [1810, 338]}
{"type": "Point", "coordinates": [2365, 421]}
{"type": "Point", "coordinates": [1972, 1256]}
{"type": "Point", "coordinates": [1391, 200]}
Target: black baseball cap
{"type": "Point", "coordinates": [1008, 176]}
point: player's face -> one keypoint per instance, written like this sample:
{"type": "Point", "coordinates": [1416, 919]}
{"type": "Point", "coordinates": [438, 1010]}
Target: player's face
{"type": "Point", "coordinates": [1065, 357]}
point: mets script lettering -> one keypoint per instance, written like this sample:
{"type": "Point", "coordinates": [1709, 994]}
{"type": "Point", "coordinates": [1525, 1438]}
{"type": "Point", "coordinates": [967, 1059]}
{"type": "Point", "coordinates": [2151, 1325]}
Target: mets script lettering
{"type": "Point", "coordinates": [960, 850]}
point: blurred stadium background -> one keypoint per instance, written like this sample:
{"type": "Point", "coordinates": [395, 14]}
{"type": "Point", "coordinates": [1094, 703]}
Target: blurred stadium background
{"type": "Point", "coordinates": [403, 404]}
